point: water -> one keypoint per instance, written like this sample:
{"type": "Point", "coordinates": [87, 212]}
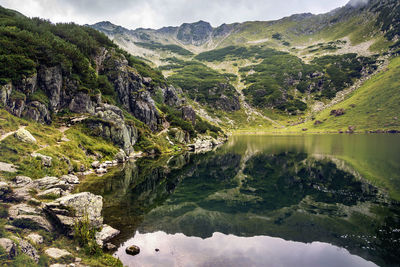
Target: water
{"type": "Point", "coordinates": [315, 200]}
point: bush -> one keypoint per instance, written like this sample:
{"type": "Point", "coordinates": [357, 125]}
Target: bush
{"type": "Point", "coordinates": [85, 234]}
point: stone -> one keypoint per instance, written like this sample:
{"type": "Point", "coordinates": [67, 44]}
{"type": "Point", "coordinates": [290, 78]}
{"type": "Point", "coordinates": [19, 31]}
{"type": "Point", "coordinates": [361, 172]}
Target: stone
{"type": "Point", "coordinates": [188, 114]}
{"type": "Point", "coordinates": [9, 246]}
{"type": "Point", "coordinates": [110, 246]}
{"type": "Point", "coordinates": [132, 250]}
{"type": "Point", "coordinates": [22, 209]}
{"type": "Point", "coordinates": [95, 164]}
{"type": "Point", "coordinates": [25, 136]}
{"type": "Point", "coordinates": [37, 111]}
{"type": "Point", "coordinates": [21, 181]}
{"type": "Point", "coordinates": [351, 129]}
{"type": "Point", "coordinates": [10, 228]}
{"type": "Point", "coordinates": [337, 112]}
{"type": "Point", "coordinates": [317, 122]}
{"type": "Point", "coordinates": [57, 253]}
{"type": "Point", "coordinates": [46, 160]}
{"type": "Point", "coordinates": [106, 234]}
{"type": "Point", "coordinates": [70, 178]}
{"type": "Point", "coordinates": [68, 209]}
{"type": "Point", "coordinates": [121, 156]}
{"type": "Point", "coordinates": [32, 222]}
{"type": "Point", "coordinates": [50, 182]}
{"type": "Point", "coordinates": [5, 189]}
{"type": "Point", "coordinates": [101, 170]}
{"type": "Point", "coordinates": [58, 265]}
{"type": "Point", "coordinates": [7, 167]}
{"type": "Point", "coordinates": [28, 250]}
{"type": "Point", "coordinates": [35, 238]}
{"type": "Point", "coordinates": [52, 192]}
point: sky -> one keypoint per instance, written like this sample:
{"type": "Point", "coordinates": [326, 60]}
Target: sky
{"type": "Point", "coordinates": [133, 14]}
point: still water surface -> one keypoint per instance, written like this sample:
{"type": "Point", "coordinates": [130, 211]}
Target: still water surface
{"type": "Point", "coordinates": [315, 200]}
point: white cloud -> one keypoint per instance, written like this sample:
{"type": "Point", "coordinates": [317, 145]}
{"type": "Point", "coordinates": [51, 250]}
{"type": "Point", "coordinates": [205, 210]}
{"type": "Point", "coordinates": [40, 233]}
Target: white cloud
{"type": "Point", "coordinates": [158, 13]}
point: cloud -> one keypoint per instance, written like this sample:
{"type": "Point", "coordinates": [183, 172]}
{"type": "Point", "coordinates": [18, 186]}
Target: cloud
{"type": "Point", "coordinates": [158, 13]}
{"type": "Point", "coordinates": [356, 3]}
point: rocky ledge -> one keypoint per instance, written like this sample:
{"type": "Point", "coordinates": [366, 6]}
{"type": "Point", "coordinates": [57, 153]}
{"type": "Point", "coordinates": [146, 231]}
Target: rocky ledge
{"type": "Point", "coordinates": [48, 205]}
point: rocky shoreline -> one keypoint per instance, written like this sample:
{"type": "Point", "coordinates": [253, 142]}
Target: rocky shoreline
{"type": "Point", "coordinates": [48, 204]}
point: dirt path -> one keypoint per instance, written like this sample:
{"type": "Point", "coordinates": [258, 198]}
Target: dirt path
{"type": "Point", "coordinates": [4, 136]}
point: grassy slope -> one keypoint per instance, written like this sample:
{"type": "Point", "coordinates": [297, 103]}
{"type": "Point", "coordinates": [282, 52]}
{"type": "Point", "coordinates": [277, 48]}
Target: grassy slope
{"type": "Point", "coordinates": [374, 106]}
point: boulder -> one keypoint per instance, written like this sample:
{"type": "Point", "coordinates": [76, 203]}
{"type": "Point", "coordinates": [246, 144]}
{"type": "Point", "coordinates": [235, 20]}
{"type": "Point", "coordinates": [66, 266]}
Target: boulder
{"type": "Point", "coordinates": [68, 209]}
{"type": "Point", "coordinates": [7, 167]}
{"type": "Point", "coordinates": [57, 253]}
{"type": "Point", "coordinates": [21, 181]}
{"type": "Point", "coordinates": [50, 182]}
{"type": "Point", "coordinates": [9, 246]}
{"type": "Point", "coordinates": [337, 112]}
{"type": "Point", "coordinates": [35, 238]}
{"type": "Point", "coordinates": [110, 246]}
{"type": "Point", "coordinates": [106, 234]}
{"type": "Point", "coordinates": [51, 193]}
{"type": "Point", "coordinates": [25, 136]}
{"type": "Point", "coordinates": [46, 160]}
{"type": "Point", "coordinates": [37, 111]}
{"type": "Point", "coordinates": [132, 250]}
{"type": "Point", "coordinates": [188, 114]}
{"type": "Point", "coordinates": [70, 179]}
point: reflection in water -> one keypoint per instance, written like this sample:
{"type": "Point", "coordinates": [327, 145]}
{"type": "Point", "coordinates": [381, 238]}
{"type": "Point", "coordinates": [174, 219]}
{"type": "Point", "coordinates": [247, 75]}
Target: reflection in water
{"type": "Point", "coordinates": [236, 199]}
{"type": "Point", "coordinates": [230, 250]}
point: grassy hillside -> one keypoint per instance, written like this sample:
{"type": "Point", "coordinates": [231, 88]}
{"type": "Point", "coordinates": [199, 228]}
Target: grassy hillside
{"type": "Point", "coordinates": [374, 106]}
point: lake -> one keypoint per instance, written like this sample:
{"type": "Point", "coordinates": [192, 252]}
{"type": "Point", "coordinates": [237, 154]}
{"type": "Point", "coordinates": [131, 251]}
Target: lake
{"type": "Point", "coordinates": [259, 200]}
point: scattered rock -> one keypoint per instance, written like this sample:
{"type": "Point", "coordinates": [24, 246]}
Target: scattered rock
{"type": "Point", "coordinates": [28, 250]}
{"type": "Point", "coordinates": [101, 170]}
{"type": "Point", "coordinates": [6, 167]}
{"type": "Point", "coordinates": [132, 250]}
{"type": "Point", "coordinates": [35, 238]}
{"type": "Point", "coordinates": [5, 189]}
{"type": "Point", "coordinates": [70, 178]}
{"type": "Point", "coordinates": [51, 193]}
{"type": "Point", "coordinates": [110, 246]}
{"type": "Point", "coordinates": [22, 209]}
{"type": "Point", "coordinates": [50, 182]}
{"type": "Point", "coordinates": [304, 129]}
{"type": "Point", "coordinates": [106, 234]}
{"type": "Point", "coordinates": [10, 228]}
{"type": "Point", "coordinates": [95, 164]}
{"type": "Point", "coordinates": [337, 112]}
{"type": "Point", "coordinates": [25, 136]}
{"type": "Point", "coordinates": [121, 156]}
{"type": "Point", "coordinates": [46, 160]}
{"type": "Point", "coordinates": [317, 122]}
{"type": "Point", "coordinates": [9, 246]}
{"type": "Point", "coordinates": [21, 181]}
{"type": "Point", "coordinates": [33, 222]}
{"type": "Point", "coordinates": [56, 253]}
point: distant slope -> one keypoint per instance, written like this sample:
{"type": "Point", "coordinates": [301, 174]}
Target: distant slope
{"type": "Point", "coordinates": [374, 106]}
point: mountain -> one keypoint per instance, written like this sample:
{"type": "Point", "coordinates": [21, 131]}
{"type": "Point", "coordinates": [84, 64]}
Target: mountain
{"type": "Point", "coordinates": [270, 74]}
{"type": "Point", "coordinates": [254, 71]}
{"type": "Point", "coordinates": [84, 99]}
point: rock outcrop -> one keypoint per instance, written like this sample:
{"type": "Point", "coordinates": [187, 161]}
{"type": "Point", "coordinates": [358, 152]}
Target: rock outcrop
{"type": "Point", "coordinates": [66, 210]}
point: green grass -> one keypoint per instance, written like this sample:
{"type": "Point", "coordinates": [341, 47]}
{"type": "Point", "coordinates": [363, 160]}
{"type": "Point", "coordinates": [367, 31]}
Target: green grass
{"type": "Point", "coordinates": [374, 106]}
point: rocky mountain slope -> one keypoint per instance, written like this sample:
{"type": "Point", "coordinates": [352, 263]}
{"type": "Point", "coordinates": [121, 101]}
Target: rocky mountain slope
{"type": "Point", "coordinates": [281, 70]}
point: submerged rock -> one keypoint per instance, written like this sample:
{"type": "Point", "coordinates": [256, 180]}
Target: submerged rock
{"type": "Point", "coordinates": [132, 250]}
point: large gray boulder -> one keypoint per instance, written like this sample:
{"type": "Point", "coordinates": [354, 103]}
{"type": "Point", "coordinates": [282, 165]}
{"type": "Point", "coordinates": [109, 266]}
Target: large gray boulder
{"type": "Point", "coordinates": [67, 210]}
{"type": "Point", "coordinates": [46, 160]}
{"type": "Point", "coordinates": [25, 136]}
{"type": "Point", "coordinates": [49, 182]}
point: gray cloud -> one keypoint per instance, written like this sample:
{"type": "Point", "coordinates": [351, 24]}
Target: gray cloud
{"type": "Point", "coordinates": [356, 3]}
{"type": "Point", "coordinates": [158, 13]}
